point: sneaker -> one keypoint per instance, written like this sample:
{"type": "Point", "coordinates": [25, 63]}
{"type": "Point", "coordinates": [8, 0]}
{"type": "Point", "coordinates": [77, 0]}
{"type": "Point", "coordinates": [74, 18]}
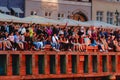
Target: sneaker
{"type": "Point", "coordinates": [15, 49]}
{"type": "Point", "coordinates": [69, 49]}
{"type": "Point", "coordinates": [8, 47]}
{"type": "Point", "coordinates": [101, 50]}
{"type": "Point", "coordinates": [109, 48]}
{"type": "Point", "coordinates": [36, 49]}
{"type": "Point", "coordinates": [57, 50]}
{"type": "Point", "coordinates": [106, 50]}
{"type": "Point", "coordinates": [43, 47]}
{"type": "Point", "coordinates": [54, 48]}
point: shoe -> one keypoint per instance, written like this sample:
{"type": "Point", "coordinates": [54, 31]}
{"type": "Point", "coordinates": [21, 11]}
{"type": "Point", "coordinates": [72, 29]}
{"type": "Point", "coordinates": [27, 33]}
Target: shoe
{"type": "Point", "coordinates": [15, 49]}
{"type": "Point", "coordinates": [8, 47]}
{"type": "Point", "coordinates": [101, 50]}
{"type": "Point", "coordinates": [69, 49]}
{"type": "Point", "coordinates": [57, 50]}
{"type": "Point", "coordinates": [43, 47]}
{"type": "Point", "coordinates": [36, 49]}
{"type": "Point", "coordinates": [106, 50]}
{"type": "Point", "coordinates": [54, 48]}
{"type": "Point", "coordinates": [109, 48]}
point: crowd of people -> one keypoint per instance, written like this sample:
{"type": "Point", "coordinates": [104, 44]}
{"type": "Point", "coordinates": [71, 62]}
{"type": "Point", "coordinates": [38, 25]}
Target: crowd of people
{"type": "Point", "coordinates": [15, 36]}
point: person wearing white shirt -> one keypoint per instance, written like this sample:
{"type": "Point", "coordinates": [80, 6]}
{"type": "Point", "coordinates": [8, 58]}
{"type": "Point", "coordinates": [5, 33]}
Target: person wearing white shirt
{"type": "Point", "coordinates": [55, 42]}
{"type": "Point", "coordinates": [22, 30]}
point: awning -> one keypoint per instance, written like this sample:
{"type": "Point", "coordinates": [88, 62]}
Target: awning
{"type": "Point", "coordinates": [4, 9]}
{"type": "Point", "coordinates": [17, 10]}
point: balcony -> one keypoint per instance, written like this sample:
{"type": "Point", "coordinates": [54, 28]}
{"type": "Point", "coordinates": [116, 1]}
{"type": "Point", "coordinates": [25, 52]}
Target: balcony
{"type": "Point", "coordinates": [52, 65]}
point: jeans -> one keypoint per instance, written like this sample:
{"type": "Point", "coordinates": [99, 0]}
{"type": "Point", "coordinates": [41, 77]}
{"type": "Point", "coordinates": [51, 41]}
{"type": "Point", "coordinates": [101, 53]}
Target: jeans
{"type": "Point", "coordinates": [38, 45]}
{"type": "Point", "coordinates": [55, 45]}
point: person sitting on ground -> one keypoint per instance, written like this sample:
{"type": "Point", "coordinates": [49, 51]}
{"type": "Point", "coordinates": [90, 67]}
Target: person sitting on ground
{"type": "Point", "coordinates": [40, 41]}
{"type": "Point", "coordinates": [55, 42]}
{"type": "Point", "coordinates": [104, 43]}
{"type": "Point", "coordinates": [27, 42]}
{"type": "Point", "coordinates": [82, 43]}
{"type": "Point", "coordinates": [70, 40]}
{"type": "Point", "coordinates": [18, 43]}
{"type": "Point", "coordinates": [6, 43]}
{"type": "Point", "coordinates": [93, 42]}
{"type": "Point", "coordinates": [1, 41]}
{"type": "Point", "coordinates": [61, 41]}
{"type": "Point", "coordinates": [65, 43]}
{"type": "Point", "coordinates": [35, 41]}
{"type": "Point", "coordinates": [100, 45]}
{"type": "Point", "coordinates": [76, 44]}
{"type": "Point", "coordinates": [111, 45]}
{"type": "Point", "coordinates": [11, 39]}
{"type": "Point", "coordinates": [87, 41]}
{"type": "Point", "coordinates": [116, 43]}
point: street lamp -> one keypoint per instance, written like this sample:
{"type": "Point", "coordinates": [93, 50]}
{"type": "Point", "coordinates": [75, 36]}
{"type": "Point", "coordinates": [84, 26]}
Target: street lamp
{"type": "Point", "coordinates": [116, 15]}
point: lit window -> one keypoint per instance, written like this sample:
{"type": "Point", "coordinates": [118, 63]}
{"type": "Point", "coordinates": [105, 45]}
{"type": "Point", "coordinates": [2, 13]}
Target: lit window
{"type": "Point", "coordinates": [49, 14]}
{"type": "Point", "coordinates": [62, 15]}
{"type": "Point", "coordinates": [46, 13]}
{"type": "Point", "coordinates": [59, 15]}
{"type": "Point", "coordinates": [99, 16]}
{"type": "Point", "coordinates": [33, 13]}
{"type": "Point", "coordinates": [110, 17]}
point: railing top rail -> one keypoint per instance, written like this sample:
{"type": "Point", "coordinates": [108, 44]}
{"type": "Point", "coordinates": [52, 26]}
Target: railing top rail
{"type": "Point", "coordinates": [59, 53]}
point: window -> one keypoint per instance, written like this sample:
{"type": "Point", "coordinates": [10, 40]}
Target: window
{"type": "Point", "coordinates": [41, 64]}
{"type": "Point", "coordinates": [49, 14]}
{"type": "Point", "coordinates": [28, 63]}
{"type": "Point", "coordinates": [99, 16]}
{"type": "Point", "coordinates": [60, 15]}
{"type": "Point", "coordinates": [110, 17]}
{"type": "Point", "coordinates": [118, 0]}
{"type": "Point", "coordinates": [15, 64]}
{"type": "Point", "coordinates": [3, 64]}
{"type": "Point", "coordinates": [46, 13]}
{"type": "Point", "coordinates": [33, 13]}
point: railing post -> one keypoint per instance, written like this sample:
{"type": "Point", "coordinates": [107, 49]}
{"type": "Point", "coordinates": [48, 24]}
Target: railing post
{"type": "Point", "coordinates": [108, 63]}
{"type": "Point", "coordinates": [35, 64]}
{"type": "Point", "coordinates": [78, 64]}
{"type": "Point", "coordinates": [90, 64]}
{"type": "Point", "coordinates": [80, 67]}
{"type": "Point", "coordinates": [9, 65]}
{"type": "Point", "coordinates": [99, 57]}
{"type": "Point", "coordinates": [116, 61]}
{"type": "Point", "coordinates": [68, 64]}
{"type": "Point", "coordinates": [47, 62]}
{"type": "Point", "coordinates": [22, 65]}
{"type": "Point", "coordinates": [57, 64]}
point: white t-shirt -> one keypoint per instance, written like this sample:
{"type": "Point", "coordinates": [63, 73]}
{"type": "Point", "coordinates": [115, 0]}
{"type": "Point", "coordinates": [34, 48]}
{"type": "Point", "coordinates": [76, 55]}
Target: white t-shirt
{"type": "Point", "coordinates": [54, 39]}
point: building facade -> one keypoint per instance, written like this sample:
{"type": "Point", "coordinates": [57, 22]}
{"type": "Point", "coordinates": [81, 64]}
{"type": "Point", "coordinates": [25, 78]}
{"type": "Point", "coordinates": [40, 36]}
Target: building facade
{"type": "Point", "coordinates": [106, 10]}
{"type": "Point", "coordinates": [57, 9]}
{"type": "Point", "coordinates": [12, 7]}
